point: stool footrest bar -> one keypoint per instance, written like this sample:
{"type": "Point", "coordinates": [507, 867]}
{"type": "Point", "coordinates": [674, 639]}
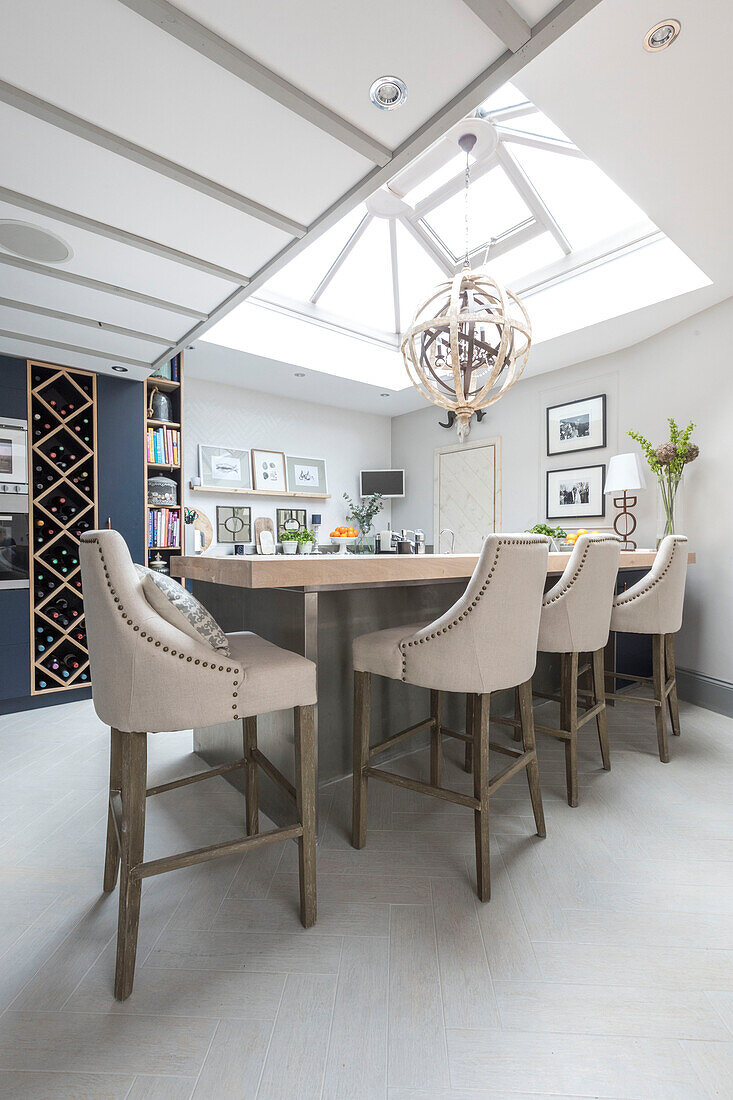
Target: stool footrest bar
{"type": "Point", "coordinates": [422, 788]}
{"type": "Point", "coordinates": [214, 851]}
{"type": "Point", "coordinates": [196, 778]}
{"type": "Point", "coordinates": [275, 774]}
{"type": "Point", "coordinates": [397, 737]}
{"type": "Point", "coordinates": [522, 761]}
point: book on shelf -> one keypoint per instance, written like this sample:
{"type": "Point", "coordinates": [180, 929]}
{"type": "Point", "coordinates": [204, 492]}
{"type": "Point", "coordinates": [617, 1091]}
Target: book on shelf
{"type": "Point", "coordinates": [164, 529]}
{"type": "Point", "coordinates": [170, 371]}
{"type": "Point", "coordinates": [163, 446]}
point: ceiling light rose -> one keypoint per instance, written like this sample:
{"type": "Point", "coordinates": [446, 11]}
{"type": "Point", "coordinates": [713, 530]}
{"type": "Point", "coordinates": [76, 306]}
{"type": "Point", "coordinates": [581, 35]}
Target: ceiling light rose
{"type": "Point", "coordinates": [469, 342]}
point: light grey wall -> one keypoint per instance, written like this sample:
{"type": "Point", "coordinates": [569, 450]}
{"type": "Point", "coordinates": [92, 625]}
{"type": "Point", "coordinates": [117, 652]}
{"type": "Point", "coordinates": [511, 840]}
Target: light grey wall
{"type": "Point", "coordinates": [684, 372]}
{"type": "Point", "coordinates": [235, 417]}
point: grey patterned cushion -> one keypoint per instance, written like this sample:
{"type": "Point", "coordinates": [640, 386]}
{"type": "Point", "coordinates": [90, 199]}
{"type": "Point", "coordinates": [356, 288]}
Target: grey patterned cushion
{"type": "Point", "coordinates": [178, 607]}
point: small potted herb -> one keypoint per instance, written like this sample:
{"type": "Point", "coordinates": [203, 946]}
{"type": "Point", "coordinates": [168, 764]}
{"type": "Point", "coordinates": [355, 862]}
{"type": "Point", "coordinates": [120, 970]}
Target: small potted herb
{"type": "Point", "coordinates": [556, 535]}
{"type": "Point", "coordinates": [290, 541]}
{"type": "Point", "coordinates": [306, 541]}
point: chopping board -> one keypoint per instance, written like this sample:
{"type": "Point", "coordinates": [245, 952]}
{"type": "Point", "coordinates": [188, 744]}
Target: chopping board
{"type": "Point", "coordinates": [264, 523]}
{"type": "Point", "coordinates": [202, 524]}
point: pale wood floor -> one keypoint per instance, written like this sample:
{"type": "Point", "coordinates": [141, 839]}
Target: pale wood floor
{"type": "Point", "coordinates": [603, 965]}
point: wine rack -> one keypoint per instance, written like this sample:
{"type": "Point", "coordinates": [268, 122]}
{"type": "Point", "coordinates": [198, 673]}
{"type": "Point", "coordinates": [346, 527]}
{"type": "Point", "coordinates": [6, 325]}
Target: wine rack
{"type": "Point", "coordinates": [62, 406]}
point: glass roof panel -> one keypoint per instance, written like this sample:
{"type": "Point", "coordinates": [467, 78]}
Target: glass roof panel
{"type": "Point", "coordinates": [535, 123]}
{"type": "Point", "coordinates": [494, 206]}
{"type": "Point", "coordinates": [436, 179]}
{"type": "Point", "coordinates": [521, 261]}
{"type": "Point", "coordinates": [417, 273]}
{"type": "Point", "coordinates": [362, 289]}
{"type": "Point", "coordinates": [506, 96]}
{"type": "Point", "coordinates": [588, 206]}
{"type": "Point", "coordinates": [301, 276]}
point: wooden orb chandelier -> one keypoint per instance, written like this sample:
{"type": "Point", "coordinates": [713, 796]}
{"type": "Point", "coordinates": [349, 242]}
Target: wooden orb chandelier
{"type": "Point", "coordinates": [469, 342]}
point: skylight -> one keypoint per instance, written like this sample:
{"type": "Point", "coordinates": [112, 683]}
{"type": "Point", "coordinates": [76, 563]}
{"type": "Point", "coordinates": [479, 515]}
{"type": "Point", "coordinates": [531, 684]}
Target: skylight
{"type": "Point", "coordinates": [543, 219]}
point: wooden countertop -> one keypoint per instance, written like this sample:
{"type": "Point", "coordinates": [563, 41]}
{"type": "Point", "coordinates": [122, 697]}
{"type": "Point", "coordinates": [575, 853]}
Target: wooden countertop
{"type": "Point", "coordinates": [329, 571]}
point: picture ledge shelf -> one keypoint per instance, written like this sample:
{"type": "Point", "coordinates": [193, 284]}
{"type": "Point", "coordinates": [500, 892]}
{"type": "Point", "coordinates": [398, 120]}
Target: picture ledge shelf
{"type": "Point", "coordinates": [258, 492]}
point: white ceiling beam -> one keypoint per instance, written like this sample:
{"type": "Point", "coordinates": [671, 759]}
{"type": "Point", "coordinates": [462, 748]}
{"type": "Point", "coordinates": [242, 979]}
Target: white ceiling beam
{"type": "Point", "coordinates": [95, 284]}
{"type": "Point", "coordinates": [121, 236]}
{"type": "Point", "coordinates": [87, 322]}
{"type": "Point", "coordinates": [537, 141]}
{"type": "Point", "coordinates": [513, 238]}
{"type": "Point", "coordinates": [113, 143]}
{"type": "Point", "coordinates": [531, 196]}
{"type": "Point", "coordinates": [27, 338]}
{"type": "Point", "coordinates": [305, 311]}
{"type": "Point", "coordinates": [503, 21]}
{"type": "Point", "coordinates": [227, 56]}
{"type": "Point", "coordinates": [395, 274]}
{"type": "Point", "coordinates": [345, 251]}
{"type": "Point", "coordinates": [556, 23]}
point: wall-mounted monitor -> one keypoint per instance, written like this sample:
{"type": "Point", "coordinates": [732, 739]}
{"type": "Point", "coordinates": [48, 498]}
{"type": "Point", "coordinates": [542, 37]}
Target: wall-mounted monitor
{"type": "Point", "coordinates": [390, 483]}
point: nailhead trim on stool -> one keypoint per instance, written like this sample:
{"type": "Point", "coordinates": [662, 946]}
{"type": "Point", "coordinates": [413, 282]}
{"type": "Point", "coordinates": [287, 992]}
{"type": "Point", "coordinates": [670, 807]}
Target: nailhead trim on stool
{"type": "Point", "coordinates": [166, 649]}
{"type": "Point", "coordinates": [578, 571]}
{"type": "Point", "coordinates": [620, 600]}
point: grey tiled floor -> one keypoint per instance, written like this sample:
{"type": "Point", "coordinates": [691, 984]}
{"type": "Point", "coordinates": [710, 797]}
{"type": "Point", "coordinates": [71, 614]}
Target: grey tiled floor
{"type": "Point", "coordinates": [603, 965]}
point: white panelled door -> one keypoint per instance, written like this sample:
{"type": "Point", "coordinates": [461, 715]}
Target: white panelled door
{"type": "Point", "coordinates": [467, 493]}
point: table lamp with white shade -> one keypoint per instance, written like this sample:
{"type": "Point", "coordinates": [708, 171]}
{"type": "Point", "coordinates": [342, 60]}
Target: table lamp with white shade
{"type": "Point", "coordinates": [625, 475]}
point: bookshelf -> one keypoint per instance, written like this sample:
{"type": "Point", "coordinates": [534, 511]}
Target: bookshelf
{"type": "Point", "coordinates": [165, 435]}
{"type": "Point", "coordinates": [62, 474]}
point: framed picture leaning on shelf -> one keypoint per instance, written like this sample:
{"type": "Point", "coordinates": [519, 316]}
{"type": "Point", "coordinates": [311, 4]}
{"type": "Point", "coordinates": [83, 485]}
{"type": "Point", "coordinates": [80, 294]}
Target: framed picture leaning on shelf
{"type": "Point", "coordinates": [306, 475]}
{"type": "Point", "coordinates": [233, 524]}
{"type": "Point", "coordinates": [224, 467]}
{"type": "Point", "coordinates": [576, 426]}
{"type": "Point", "coordinates": [268, 470]}
{"type": "Point", "coordinates": [573, 494]}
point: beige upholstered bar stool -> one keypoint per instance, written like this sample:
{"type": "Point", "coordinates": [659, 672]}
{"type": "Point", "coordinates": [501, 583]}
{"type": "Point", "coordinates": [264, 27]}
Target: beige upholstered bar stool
{"type": "Point", "coordinates": [654, 606]}
{"type": "Point", "coordinates": [486, 642]}
{"type": "Point", "coordinates": [575, 619]}
{"type": "Point", "coordinates": [149, 676]}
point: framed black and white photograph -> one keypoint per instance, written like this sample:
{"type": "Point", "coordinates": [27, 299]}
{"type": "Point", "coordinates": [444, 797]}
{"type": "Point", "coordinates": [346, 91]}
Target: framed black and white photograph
{"type": "Point", "coordinates": [306, 475]}
{"type": "Point", "coordinates": [224, 467]}
{"type": "Point", "coordinates": [233, 524]}
{"type": "Point", "coordinates": [268, 470]}
{"type": "Point", "coordinates": [290, 519]}
{"type": "Point", "coordinates": [577, 426]}
{"type": "Point", "coordinates": [574, 494]}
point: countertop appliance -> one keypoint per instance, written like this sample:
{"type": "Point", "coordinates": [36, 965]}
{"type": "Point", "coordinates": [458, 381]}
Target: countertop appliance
{"type": "Point", "coordinates": [14, 538]}
{"type": "Point", "coordinates": [385, 543]}
{"type": "Point", "coordinates": [404, 542]}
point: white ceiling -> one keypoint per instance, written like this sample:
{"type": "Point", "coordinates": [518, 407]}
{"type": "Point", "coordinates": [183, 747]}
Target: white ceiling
{"type": "Point", "coordinates": [184, 150]}
{"type": "Point", "coordinates": [174, 180]}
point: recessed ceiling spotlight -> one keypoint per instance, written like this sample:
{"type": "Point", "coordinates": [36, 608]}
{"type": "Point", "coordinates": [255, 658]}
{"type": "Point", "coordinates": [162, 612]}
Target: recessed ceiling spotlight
{"type": "Point", "coordinates": [33, 243]}
{"type": "Point", "coordinates": [299, 374]}
{"type": "Point", "coordinates": [384, 395]}
{"type": "Point", "coordinates": [119, 369]}
{"type": "Point", "coordinates": [662, 35]}
{"type": "Point", "coordinates": [388, 92]}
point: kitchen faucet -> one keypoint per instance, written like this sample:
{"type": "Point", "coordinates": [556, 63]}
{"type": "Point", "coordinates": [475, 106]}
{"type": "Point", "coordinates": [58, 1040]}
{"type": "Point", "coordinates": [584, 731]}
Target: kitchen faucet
{"type": "Point", "coordinates": [447, 530]}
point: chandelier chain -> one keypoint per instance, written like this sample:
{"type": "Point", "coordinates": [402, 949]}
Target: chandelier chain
{"type": "Point", "coordinates": [466, 259]}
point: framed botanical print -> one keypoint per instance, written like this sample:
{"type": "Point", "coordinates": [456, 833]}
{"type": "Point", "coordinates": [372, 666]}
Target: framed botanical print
{"type": "Point", "coordinates": [573, 494]}
{"type": "Point", "coordinates": [268, 470]}
{"type": "Point", "coordinates": [290, 519]}
{"type": "Point", "coordinates": [233, 524]}
{"type": "Point", "coordinates": [224, 467]}
{"type": "Point", "coordinates": [577, 426]}
{"type": "Point", "coordinates": [306, 475]}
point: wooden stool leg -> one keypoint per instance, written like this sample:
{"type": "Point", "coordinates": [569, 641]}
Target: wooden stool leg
{"type": "Point", "coordinates": [524, 694]}
{"type": "Point", "coordinates": [517, 715]}
{"type": "Point", "coordinates": [362, 717]}
{"type": "Point", "coordinates": [112, 855]}
{"type": "Point", "coordinates": [599, 696]}
{"type": "Point", "coordinates": [671, 674]}
{"type": "Point", "coordinates": [436, 739]}
{"type": "Point", "coordinates": [250, 775]}
{"type": "Point", "coordinates": [481, 792]}
{"type": "Point", "coordinates": [132, 790]}
{"type": "Point", "coordinates": [660, 706]}
{"type": "Point", "coordinates": [305, 780]}
{"type": "Point", "coordinates": [468, 758]}
{"type": "Point", "coordinates": [569, 722]}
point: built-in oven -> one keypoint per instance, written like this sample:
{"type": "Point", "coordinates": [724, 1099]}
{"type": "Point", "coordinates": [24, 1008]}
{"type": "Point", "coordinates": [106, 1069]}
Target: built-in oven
{"type": "Point", "coordinates": [14, 536]}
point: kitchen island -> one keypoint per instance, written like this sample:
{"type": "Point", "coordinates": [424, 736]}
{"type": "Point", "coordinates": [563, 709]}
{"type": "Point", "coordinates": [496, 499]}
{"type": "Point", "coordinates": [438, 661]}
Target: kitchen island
{"type": "Point", "coordinates": [316, 605]}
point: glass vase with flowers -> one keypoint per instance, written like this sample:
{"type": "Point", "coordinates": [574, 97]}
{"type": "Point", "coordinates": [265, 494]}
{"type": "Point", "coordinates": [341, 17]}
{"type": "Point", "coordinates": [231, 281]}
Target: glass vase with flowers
{"type": "Point", "coordinates": [363, 516]}
{"type": "Point", "coordinates": [667, 462]}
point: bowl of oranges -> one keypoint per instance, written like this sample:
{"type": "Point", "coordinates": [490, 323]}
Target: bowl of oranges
{"type": "Point", "coordinates": [343, 536]}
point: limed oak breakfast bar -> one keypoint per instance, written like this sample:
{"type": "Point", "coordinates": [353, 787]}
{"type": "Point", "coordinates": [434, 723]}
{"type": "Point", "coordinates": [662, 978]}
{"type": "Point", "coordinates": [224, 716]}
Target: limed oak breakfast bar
{"type": "Point", "coordinates": [316, 605]}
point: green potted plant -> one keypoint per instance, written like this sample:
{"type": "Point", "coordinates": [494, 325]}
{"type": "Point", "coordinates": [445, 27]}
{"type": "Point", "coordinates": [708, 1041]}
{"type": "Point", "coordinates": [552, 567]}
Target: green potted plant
{"type": "Point", "coordinates": [363, 515]}
{"type": "Point", "coordinates": [556, 535]}
{"type": "Point", "coordinates": [290, 541]}
{"type": "Point", "coordinates": [306, 541]}
{"type": "Point", "coordinates": [668, 461]}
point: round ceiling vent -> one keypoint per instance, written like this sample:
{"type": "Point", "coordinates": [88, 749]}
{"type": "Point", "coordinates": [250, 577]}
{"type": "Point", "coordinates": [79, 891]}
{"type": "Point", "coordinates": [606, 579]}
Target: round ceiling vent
{"type": "Point", "coordinates": [33, 243]}
{"type": "Point", "coordinates": [662, 35]}
{"type": "Point", "coordinates": [388, 93]}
